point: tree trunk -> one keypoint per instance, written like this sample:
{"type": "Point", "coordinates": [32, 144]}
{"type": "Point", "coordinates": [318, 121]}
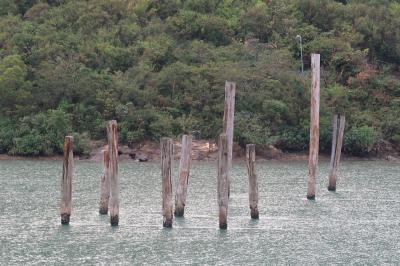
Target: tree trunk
{"type": "Point", "coordinates": [223, 180]}
{"type": "Point", "coordinates": [253, 185]}
{"type": "Point", "coordinates": [112, 135]}
{"type": "Point", "coordinates": [166, 166]}
{"type": "Point", "coordinates": [66, 182]}
{"type": "Point", "coordinates": [337, 142]}
{"type": "Point", "coordinates": [105, 184]}
{"type": "Point", "coordinates": [229, 112]}
{"type": "Point", "coordinates": [314, 126]}
{"type": "Point", "coordinates": [184, 171]}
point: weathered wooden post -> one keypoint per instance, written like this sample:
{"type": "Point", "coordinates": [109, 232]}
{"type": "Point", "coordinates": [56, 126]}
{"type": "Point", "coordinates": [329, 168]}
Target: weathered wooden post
{"type": "Point", "coordinates": [166, 166]}
{"type": "Point", "coordinates": [223, 180]}
{"type": "Point", "coordinates": [105, 184]}
{"type": "Point", "coordinates": [314, 126]}
{"type": "Point", "coordinates": [66, 182]}
{"type": "Point", "coordinates": [253, 185]}
{"type": "Point", "coordinates": [112, 135]}
{"type": "Point", "coordinates": [337, 141]}
{"type": "Point", "coordinates": [184, 171]}
{"type": "Point", "coordinates": [229, 113]}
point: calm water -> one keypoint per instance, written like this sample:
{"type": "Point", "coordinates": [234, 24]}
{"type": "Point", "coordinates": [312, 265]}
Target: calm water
{"type": "Point", "coordinates": [359, 224]}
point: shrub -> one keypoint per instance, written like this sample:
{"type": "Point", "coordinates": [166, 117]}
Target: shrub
{"type": "Point", "coordinates": [360, 140]}
{"type": "Point", "coordinates": [6, 135]}
{"type": "Point", "coordinates": [82, 144]}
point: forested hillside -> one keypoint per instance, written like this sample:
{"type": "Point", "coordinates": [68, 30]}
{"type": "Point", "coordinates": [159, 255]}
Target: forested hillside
{"type": "Point", "coordinates": [159, 68]}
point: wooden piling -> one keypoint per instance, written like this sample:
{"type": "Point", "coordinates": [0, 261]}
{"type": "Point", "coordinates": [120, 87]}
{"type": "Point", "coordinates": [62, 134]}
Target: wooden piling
{"type": "Point", "coordinates": [112, 136]}
{"type": "Point", "coordinates": [184, 171]}
{"type": "Point", "coordinates": [314, 126]}
{"type": "Point", "coordinates": [337, 141]}
{"type": "Point", "coordinates": [66, 182]}
{"type": "Point", "coordinates": [229, 112]}
{"type": "Point", "coordinates": [223, 180]}
{"type": "Point", "coordinates": [253, 185]}
{"type": "Point", "coordinates": [166, 166]}
{"type": "Point", "coordinates": [105, 184]}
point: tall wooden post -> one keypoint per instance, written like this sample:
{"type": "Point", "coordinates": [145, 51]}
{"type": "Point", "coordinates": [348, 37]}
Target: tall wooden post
{"type": "Point", "coordinates": [253, 185]}
{"type": "Point", "coordinates": [184, 171]}
{"type": "Point", "coordinates": [105, 184]}
{"type": "Point", "coordinates": [166, 166]}
{"type": "Point", "coordinates": [223, 180]}
{"type": "Point", "coordinates": [337, 141]}
{"type": "Point", "coordinates": [314, 126]}
{"type": "Point", "coordinates": [66, 182]}
{"type": "Point", "coordinates": [229, 113]}
{"type": "Point", "coordinates": [112, 135]}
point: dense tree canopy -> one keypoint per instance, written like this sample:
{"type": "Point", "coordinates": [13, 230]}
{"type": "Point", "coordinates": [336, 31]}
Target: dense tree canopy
{"type": "Point", "coordinates": [159, 67]}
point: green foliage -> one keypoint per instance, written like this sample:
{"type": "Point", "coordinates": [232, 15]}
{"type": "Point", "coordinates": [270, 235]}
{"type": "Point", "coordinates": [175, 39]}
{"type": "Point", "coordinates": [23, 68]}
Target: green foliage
{"type": "Point", "coordinates": [41, 134]}
{"type": "Point", "coordinates": [159, 68]}
{"type": "Point", "coordinates": [81, 144]}
{"type": "Point", "coordinates": [360, 140]}
{"type": "Point", "coordinates": [6, 134]}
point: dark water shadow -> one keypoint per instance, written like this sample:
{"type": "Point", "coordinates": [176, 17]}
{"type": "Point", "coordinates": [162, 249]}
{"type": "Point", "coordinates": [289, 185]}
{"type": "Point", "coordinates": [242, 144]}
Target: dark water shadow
{"type": "Point", "coordinates": [179, 221]}
{"type": "Point", "coordinates": [253, 222]}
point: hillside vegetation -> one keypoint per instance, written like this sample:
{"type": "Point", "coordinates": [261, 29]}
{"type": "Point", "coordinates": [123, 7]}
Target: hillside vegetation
{"type": "Point", "coordinates": [159, 68]}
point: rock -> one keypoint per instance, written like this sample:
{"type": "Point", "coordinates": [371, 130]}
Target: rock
{"type": "Point", "coordinates": [268, 152]}
{"type": "Point", "coordinates": [237, 151]}
{"type": "Point", "coordinates": [123, 157]}
{"type": "Point", "coordinates": [126, 150]}
{"type": "Point", "coordinates": [392, 158]}
{"type": "Point", "coordinates": [142, 157]}
{"type": "Point", "coordinates": [96, 154]}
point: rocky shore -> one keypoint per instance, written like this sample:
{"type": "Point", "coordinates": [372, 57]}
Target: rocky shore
{"type": "Point", "coordinates": [202, 150]}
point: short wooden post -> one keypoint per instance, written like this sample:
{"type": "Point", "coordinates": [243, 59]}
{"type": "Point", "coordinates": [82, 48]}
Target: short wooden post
{"type": "Point", "coordinates": [223, 180]}
{"type": "Point", "coordinates": [112, 135]}
{"type": "Point", "coordinates": [105, 184]}
{"type": "Point", "coordinates": [337, 141]}
{"type": "Point", "coordinates": [314, 126]}
{"type": "Point", "coordinates": [253, 185]}
{"type": "Point", "coordinates": [184, 171]}
{"type": "Point", "coordinates": [66, 182]}
{"type": "Point", "coordinates": [229, 112]}
{"type": "Point", "coordinates": [166, 166]}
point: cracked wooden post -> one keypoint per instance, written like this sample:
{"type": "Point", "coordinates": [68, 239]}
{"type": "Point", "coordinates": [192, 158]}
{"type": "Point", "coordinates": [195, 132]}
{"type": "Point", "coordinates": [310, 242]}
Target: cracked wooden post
{"type": "Point", "coordinates": [253, 185]}
{"type": "Point", "coordinates": [229, 112]}
{"type": "Point", "coordinates": [112, 136]}
{"type": "Point", "coordinates": [105, 184]}
{"type": "Point", "coordinates": [183, 179]}
{"type": "Point", "coordinates": [223, 180]}
{"type": "Point", "coordinates": [166, 166]}
{"type": "Point", "coordinates": [66, 182]}
{"type": "Point", "coordinates": [314, 126]}
{"type": "Point", "coordinates": [337, 142]}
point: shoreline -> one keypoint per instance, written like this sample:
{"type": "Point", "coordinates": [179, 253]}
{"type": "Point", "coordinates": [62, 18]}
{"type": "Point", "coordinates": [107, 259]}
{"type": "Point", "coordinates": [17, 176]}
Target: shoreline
{"type": "Point", "coordinates": [202, 150]}
{"type": "Point", "coordinates": [286, 157]}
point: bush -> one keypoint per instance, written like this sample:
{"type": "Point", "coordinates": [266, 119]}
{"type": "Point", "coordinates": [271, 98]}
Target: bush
{"type": "Point", "coordinates": [82, 144]}
{"type": "Point", "coordinates": [360, 140]}
{"type": "Point", "coordinates": [41, 134]}
{"type": "Point", "coordinates": [6, 135]}
{"type": "Point", "coordinates": [294, 139]}
{"type": "Point", "coordinates": [249, 129]}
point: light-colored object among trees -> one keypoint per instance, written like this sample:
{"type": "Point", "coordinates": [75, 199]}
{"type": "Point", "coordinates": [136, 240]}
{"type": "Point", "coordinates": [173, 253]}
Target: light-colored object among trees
{"type": "Point", "coordinates": [166, 166]}
{"type": "Point", "coordinates": [314, 126]}
{"type": "Point", "coordinates": [229, 116]}
{"type": "Point", "coordinates": [253, 185]}
{"type": "Point", "coordinates": [223, 180]}
{"type": "Point", "coordinates": [183, 179]}
{"type": "Point", "coordinates": [337, 142]}
{"type": "Point", "coordinates": [112, 136]}
{"type": "Point", "coordinates": [105, 184]}
{"type": "Point", "coordinates": [66, 182]}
